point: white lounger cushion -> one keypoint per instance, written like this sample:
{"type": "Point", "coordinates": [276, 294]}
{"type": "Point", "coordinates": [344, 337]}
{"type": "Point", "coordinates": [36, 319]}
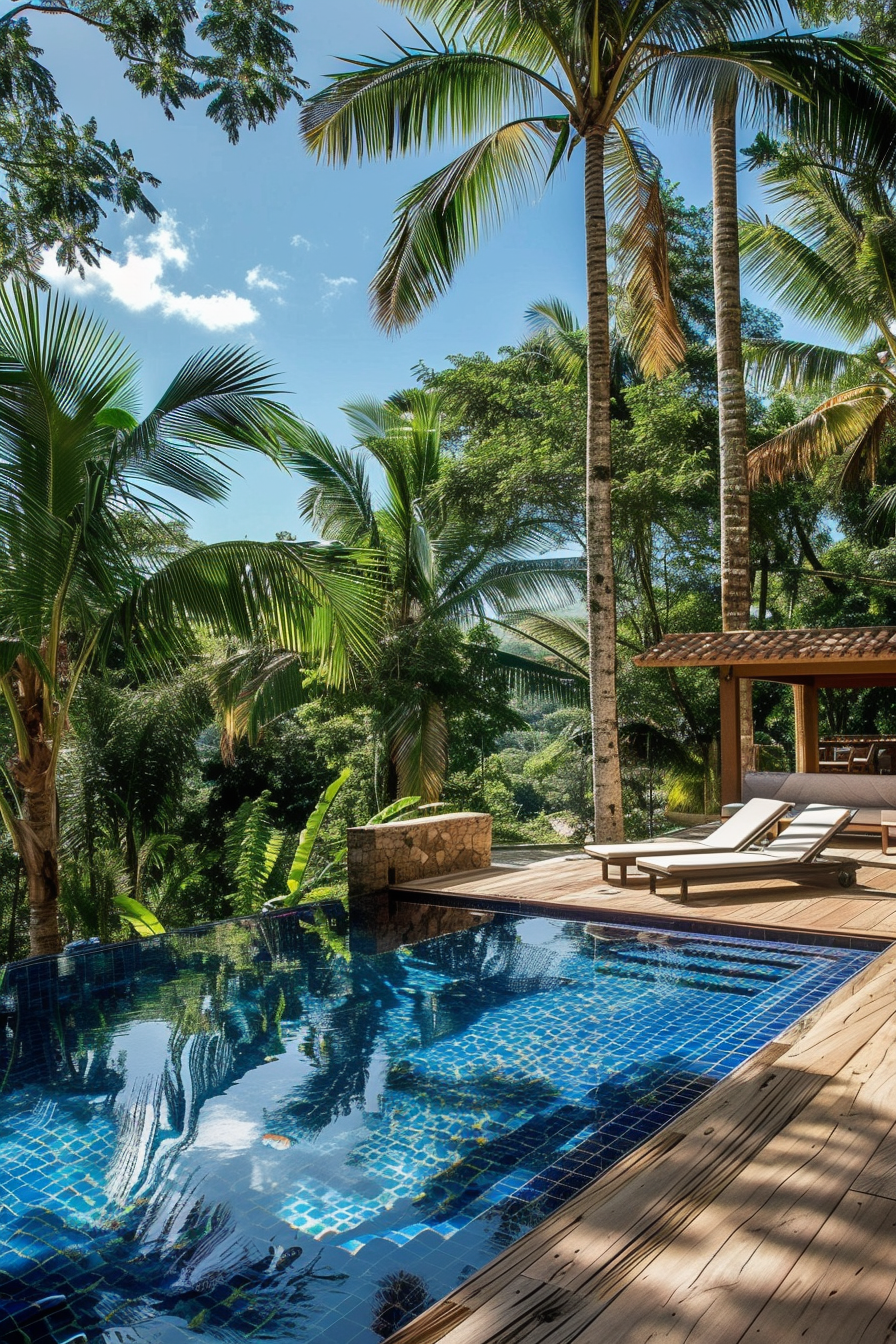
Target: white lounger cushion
{"type": "Point", "coordinates": [749, 823]}
{"type": "Point", "coordinates": [805, 837]}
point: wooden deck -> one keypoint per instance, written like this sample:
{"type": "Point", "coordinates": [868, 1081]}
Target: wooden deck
{"type": "Point", "coordinates": [767, 1212]}
{"type": "Point", "coordinates": [574, 886]}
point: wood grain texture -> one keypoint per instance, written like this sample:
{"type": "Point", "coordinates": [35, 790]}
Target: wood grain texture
{"type": "Point", "coordinates": [867, 909]}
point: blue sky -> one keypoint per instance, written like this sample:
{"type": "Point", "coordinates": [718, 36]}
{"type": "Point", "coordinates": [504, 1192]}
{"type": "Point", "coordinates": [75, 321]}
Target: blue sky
{"type": "Point", "coordinates": [262, 245]}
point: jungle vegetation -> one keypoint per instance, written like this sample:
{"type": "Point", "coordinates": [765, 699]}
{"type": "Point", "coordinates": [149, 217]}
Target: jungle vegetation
{"type": "Point", "coordinates": [492, 544]}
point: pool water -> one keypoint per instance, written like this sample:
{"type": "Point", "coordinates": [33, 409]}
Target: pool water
{"type": "Point", "coordinates": [258, 1131]}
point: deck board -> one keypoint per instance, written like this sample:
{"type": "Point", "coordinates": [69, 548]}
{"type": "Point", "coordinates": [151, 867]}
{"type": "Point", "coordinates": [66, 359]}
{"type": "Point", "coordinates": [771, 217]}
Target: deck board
{"type": "Point", "coordinates": [867, 908]}
{"type": "Point", "coordinates": [767, 1211]}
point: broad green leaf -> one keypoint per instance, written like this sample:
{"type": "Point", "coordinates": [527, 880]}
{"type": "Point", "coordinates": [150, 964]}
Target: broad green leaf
{"type": "Point", "coordinates": [141, 920]}
{"type": "Point", "coordinates": [116, 418]}
{"type": "Point", "coordinates": [308, 838]}
{"type": "Point", "coordinates": [394, 810]}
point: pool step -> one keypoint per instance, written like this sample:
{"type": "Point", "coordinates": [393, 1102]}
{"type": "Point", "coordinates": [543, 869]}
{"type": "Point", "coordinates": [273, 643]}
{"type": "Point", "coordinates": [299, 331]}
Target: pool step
{"type": "Point", "coordinates": [47, 1321]}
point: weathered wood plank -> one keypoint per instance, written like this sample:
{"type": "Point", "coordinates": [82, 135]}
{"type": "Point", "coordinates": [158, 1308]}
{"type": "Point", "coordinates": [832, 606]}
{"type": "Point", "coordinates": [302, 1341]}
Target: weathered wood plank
{"type": "Point", "coordinates": [842, 1289]}
{"type": "Point", "coordinates": [578, 885]}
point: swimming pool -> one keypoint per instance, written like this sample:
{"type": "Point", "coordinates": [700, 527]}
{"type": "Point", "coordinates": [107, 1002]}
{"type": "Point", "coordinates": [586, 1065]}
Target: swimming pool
{"type": "Point", "coordinates": [259, 1132]}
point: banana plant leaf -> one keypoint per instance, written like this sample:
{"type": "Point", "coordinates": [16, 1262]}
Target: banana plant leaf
{"type": "Point", "coordinates": [308, 838]}
{"type": "Point", "coordinates": [394, 810]}
{"type": "Point", "coordinates": [141, 920]}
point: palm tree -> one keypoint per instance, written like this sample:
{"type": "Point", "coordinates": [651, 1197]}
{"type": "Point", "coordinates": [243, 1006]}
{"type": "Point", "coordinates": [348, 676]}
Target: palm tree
{"type": "Point", "coordinates": [831, 258]}
{"type": "Point", "coordinates": [438, 570]}
{"type": "Point", "coordinates": [529, 83]}
{"type": "Point", "coordinates": [849, 111]}
{"type": "Point", "coordinates": [74, 458]}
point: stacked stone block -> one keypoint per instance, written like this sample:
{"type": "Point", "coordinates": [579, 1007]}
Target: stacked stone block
{"type": "Point", "coordinates": [406, 851]}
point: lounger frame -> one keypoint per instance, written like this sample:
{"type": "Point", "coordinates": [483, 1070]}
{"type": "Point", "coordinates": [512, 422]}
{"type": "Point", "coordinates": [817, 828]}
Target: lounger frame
{"type": "Point", "coordinates": [797, 870]}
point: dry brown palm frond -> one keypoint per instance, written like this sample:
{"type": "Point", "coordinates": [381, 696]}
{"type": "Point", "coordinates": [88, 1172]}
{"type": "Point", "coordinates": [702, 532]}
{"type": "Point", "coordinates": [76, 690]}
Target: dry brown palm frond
{"type": "Point", "coordinates": [652, 330]}
{"type": "Point", "coordinates": [849, 422]}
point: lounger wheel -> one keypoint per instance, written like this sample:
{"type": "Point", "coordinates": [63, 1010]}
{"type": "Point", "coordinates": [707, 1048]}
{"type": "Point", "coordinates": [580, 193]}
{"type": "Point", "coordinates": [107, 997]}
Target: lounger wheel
{"type": "Point", "coordinates": [845, 877]}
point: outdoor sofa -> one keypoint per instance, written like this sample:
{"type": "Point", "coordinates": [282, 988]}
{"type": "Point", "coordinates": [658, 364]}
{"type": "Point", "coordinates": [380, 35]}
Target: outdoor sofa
{"type": "Point", "coordinates": [795, 854]}
{"type": "Point", "coordinates": [871, 797]}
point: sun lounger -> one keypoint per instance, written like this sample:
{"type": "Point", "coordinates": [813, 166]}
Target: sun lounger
{"type": "Point", "coordinates": [748, 825]}
{"type": "Point", "coordinates": [795, 855]}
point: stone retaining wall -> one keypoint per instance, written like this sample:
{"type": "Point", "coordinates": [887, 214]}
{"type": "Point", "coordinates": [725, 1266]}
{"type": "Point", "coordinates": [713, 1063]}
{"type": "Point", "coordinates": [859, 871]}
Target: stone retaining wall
{"type": "Point", "coordinates": [403, 851]}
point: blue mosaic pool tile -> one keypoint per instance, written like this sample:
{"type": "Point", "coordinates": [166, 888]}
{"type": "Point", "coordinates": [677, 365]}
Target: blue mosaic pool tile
{"type": "Point", "coordinates": [242, 1131]}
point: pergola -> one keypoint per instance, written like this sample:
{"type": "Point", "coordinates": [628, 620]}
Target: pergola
{"type": "Point", "coordinates": [807, 660]}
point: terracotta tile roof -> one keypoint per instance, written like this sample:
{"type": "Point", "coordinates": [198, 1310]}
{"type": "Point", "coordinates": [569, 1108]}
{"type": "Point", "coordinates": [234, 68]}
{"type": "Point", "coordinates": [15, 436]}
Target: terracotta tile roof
{"type": "Point", "coordinates": [871, 643]}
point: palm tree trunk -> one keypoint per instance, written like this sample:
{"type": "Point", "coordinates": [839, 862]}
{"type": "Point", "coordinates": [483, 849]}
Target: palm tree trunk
{"type": "Point", "coordinates": [38, 836]}
{"type": "Point", "coordinates": [735, 494]}
{"type": "Point", "coordinates": [601, 596]}
{"type": "Point", "coordinates": [37, 833]}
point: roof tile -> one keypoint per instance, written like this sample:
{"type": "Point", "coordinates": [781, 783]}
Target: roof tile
{"type": "Point", "coordinates": [871, 643]}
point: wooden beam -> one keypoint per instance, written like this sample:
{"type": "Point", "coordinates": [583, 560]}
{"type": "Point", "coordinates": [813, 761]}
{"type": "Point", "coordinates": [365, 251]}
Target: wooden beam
{"type": "Point", "coordinates": [816, 667]}
{"type": "Point", "coordinates": [729, 736]}
{"type": "Point", "coordinates": [805, 706]}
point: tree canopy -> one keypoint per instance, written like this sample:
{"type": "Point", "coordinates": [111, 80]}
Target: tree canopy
{"type": "Point", "coordinates": [59, 178]}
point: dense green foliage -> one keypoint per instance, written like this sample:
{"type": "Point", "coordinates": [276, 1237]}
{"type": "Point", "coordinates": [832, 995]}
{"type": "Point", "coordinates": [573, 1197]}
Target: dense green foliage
{"type": "Point", "coordinates": [217, 715]}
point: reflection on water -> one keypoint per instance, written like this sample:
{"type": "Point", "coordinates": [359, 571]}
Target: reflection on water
{"type": "Point", "coordinates": [286, 1129]}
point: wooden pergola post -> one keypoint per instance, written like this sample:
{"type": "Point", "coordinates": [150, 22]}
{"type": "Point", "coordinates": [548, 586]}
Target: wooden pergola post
{"type": "Point", "coordinates": [805, 713]}
{"type": "Point", "coordinates": [729, 737]}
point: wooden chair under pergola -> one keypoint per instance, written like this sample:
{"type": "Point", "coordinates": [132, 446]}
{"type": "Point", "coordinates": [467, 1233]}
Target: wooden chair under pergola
{"type": "Point", "coordinates": [807, 660]}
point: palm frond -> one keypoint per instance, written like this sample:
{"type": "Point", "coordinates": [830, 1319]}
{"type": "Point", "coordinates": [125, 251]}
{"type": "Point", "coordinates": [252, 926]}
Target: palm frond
{"type": "Point", "coordinates": [634, 196]}
{"type": "Point", "coordinates": [322, 602]}
{"type": "Point", "coordinates": [220, 401]}
{"type": "Point", "coordinates": [447, 214]}
{"type": "Point", "coordinates": [851, 422]}
{"type": "Point", "coordinates": [531, 679]}
{"type": "Point", "coordinates": [338, 505]}
{"type": "Point", "coordinates": [510, 584]}
{"type": "Point", "coordinates": [801, 276]}
{"type": "Point", "coordinates": [564, 638]}
{"type": "Point", "coordinates": [528, 30]}
{"type": "Point", "coordinates": [418, 737]}
{"type": "Point", "coordinates": [556, 328]}
{"type": "Point", "coordinates": [377, 109]}
{"type": "Point", "coordinates": [254, 687]}
{"type": "Point", "coordinates": [801, 364]}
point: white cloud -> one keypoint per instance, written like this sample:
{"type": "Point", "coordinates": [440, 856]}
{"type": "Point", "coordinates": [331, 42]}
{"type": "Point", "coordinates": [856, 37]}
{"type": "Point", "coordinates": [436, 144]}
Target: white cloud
{"type": "Point", "coordinates": [299, 241]}
{"type": "Point", "coordinates": [334, 287]}
{"type": "Point", "coordinates": [259, 278]}
{"type": "Point", "coordinates": [138, 282]}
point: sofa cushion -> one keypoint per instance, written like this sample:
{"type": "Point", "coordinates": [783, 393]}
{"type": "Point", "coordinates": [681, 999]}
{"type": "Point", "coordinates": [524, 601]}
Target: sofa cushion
{"type": "Point", "coordinates": [869, 793]}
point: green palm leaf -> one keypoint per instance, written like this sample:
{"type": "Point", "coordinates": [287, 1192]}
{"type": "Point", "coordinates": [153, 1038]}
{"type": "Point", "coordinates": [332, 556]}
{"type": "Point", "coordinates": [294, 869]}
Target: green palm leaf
{"type": "Point", "coordinates": [564, 638]}
{"type": "Point", "coordinates": [804, 277]}
{"type": "Point", "coordinates": [377, 109]}
{"type": "Point", "coordinates": [141, 919]}
{"type": "Point", "coordinates": [418, 734]}
{"type": "Point", "coordinates": [800, 364]}
{"type": "Point", "coordinates": [309, 837]}
{"type": "Point", "coordinates": [531, 679]}
{"type": "Point", "coordinates": [446, 215]}
{"type": "Point", "coordinates": [308, 599]}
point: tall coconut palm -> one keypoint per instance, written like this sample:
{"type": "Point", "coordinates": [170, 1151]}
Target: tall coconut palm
{"type": "Point", "coordinates": [839, 106]}
{"type": "Point", "coordinates": [831, 259]}
{"type": "Point", "coordinates": [528, 83]}
{"type": "Point", "coordinates": [438, 570]}
{"type": "Point", "coordinates": [74, 458]}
